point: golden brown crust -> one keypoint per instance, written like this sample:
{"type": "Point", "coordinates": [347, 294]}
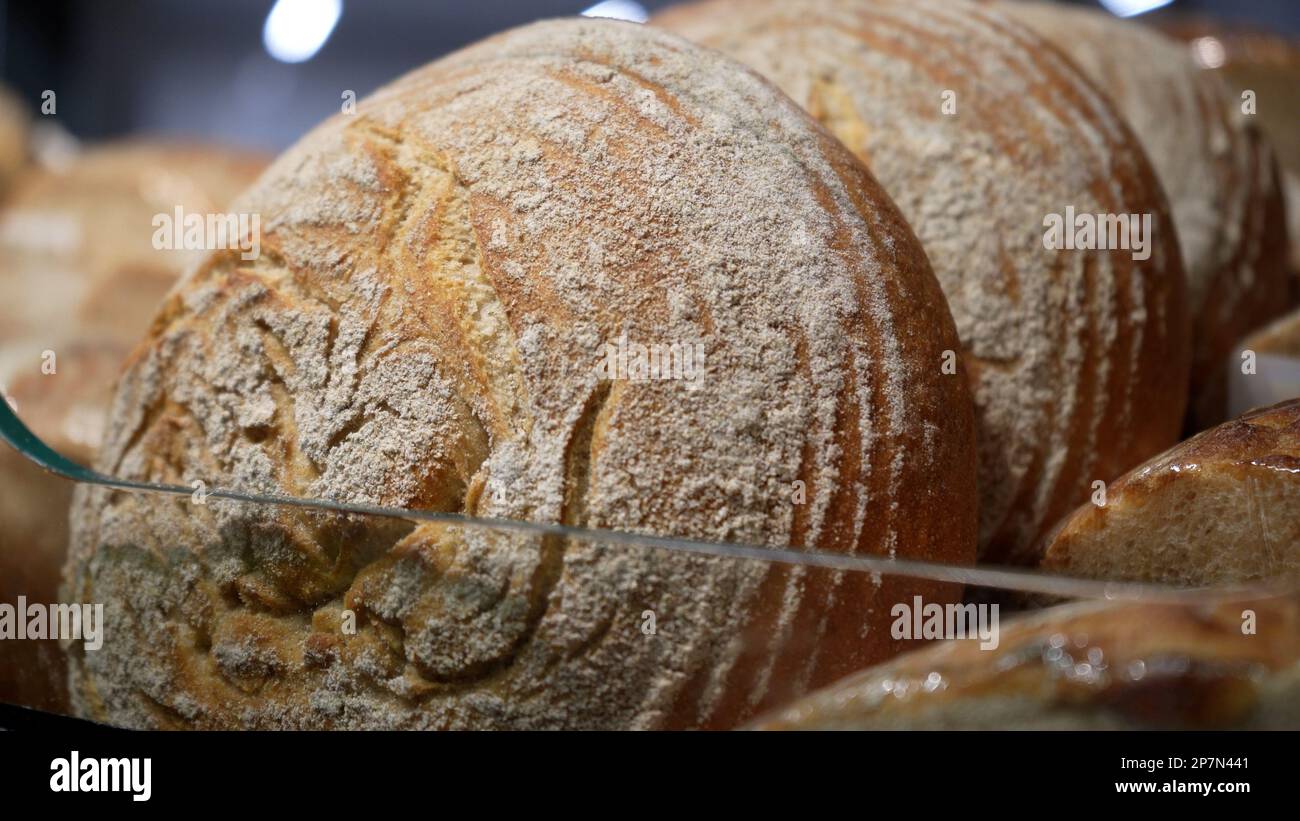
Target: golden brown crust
{"type": "Point", "coordinates": [1220, 508]}
{"type": "Point", "coordinates": [1078, 359]}
{"type": "Point", "coordinates": [1219, 172]}
{"type": "Point", "coordinates": [1232, 664]}
{"type": "Point", "coordinates": [425, 327]}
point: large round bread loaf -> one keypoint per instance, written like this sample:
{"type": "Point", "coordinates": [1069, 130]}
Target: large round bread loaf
{"type": "Point", "coordinates": [440, 276]}
{"type": "Point", "coordinates": [1221, 508]}
{"type": "Point", "coordinates": [979, 131]}
{"type": "Point", "coordinates": [1229, 664]}
{"type": "Point", "coordinates": [80, 279]}
{"type": "Point", "coordinates": [1220, 175]}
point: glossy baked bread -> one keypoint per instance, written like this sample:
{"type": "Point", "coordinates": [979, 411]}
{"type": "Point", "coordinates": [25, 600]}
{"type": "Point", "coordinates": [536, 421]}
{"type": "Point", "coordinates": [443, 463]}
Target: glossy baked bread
{"type": "Point", "coordinates": [1219, 173]}
{"type": "Point", "coordinates": [1087, 666]}
{"type": "Point", "coordinates": [979, 131]}
{"type": "Point", "coordinates": [1219, 509]}
{"type": "Point", "coordinates": [441, 274]}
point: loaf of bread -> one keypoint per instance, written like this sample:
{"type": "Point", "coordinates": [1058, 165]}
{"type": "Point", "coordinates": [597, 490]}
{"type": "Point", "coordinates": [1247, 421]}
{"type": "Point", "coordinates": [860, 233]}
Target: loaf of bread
{"type": "Point", "coordinates": [1221, 508]}
{"type": "Point", "coordinates": [1227, 664]}
{"type": "Point", "coordinates": [1220, 175]}
{"type": "Point", "coordinates": [443, 274]}
{"type": "Point", "coordinates": [1281, 337]}
{"type": "Point", "coordinates": [77, 248]}
{"type": "Point", "coordinates": [80, 279]}
{"type": "Point", "coordinates": [1077, 358]}
{"type": "Point", "coordinates": [13, 138]}
{"type": "Point", "coordinates": [1263, 67]}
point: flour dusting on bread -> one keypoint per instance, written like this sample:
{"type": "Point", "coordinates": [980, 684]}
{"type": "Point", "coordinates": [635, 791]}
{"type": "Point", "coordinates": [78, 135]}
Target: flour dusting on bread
{"type": "Point", "coordinates": [424, 328]}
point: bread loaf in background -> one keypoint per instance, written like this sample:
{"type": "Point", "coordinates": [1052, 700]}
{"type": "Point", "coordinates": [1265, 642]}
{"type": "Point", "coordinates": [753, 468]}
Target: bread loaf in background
{"type": "Point", "coordinates": [80, 279]}
{"type": "Point", "coordinates": [978, 130]}
{"type": "Point", "coordinates": [1084, 666]}
{"type": "Point", "coordinates": [1281, 337]}
{"type": "Point", "coordinates": [77, 242]}
{"type": "Point", "coordinates": [1219, 509]}
{"type": "Point", "coordinates": [440, 276]}
{"type": "Point", "coordinates": [1268, 66]}
{"type": "Point", "coordinates": [1219, 173]}
{"type": "Point", "coordinates": [1266, 368]}
{"type": "Point", "coordinates": [13, 138]}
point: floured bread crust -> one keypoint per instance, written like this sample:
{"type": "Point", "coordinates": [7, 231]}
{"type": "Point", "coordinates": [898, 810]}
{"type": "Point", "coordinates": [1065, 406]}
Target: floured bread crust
{"type": "Point", "coordinates": [1219, 172]}
{"type": "Point", "coordinates": [1087, 666]}
{"type": "Point", "coordinates": [1219, 509]}
{"type": "Point", "coordinates": [440, 274]}
{"type": "Point", "coordinates": [1078, 359]}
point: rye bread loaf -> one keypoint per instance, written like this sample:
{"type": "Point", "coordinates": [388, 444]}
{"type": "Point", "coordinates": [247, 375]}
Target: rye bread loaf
{"type": "Point", "coordinates": [1221, 508]}
{"type": "Point", "coordinates": [80, 279]}
{"type": "Point", "coordinates": [1234, 664]}
{"type": "Point", "coordinates": [978, 130]}
{"type": "Point", "coordinates": [441, 273]}
{"type": "Point", "coordinates": [1219, 173]}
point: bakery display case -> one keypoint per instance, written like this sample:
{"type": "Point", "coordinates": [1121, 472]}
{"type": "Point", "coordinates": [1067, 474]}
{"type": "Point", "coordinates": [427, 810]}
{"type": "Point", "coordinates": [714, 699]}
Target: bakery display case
{"type": "Point", "coordinates": [838, 364]}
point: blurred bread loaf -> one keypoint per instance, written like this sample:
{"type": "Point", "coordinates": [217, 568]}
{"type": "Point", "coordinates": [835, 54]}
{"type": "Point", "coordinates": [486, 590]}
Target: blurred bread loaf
{"type": "Point", "coordinates": [1219, 173]}
{"type": "Point", "coordinates": [1222, 508]}
{"type": "Point", "coordinates": [1085, 666]}
{"type": "Point", "coordinates": [979, 131]}
{"type": "Point", "coordinates": [13, 138]}
{"type": "Point", "coordinates": [1280, 337]}
{"type": "Point", "coordinates": [440, 280]}
{"type": "Point", "coordinates": [1266, 369]}
{"type": "Point", "coordinates": [1266, 65]}
{"type": "Point", "coordinates": [78, 241]}
{"type": "Point", "coordinates": [79, 278]}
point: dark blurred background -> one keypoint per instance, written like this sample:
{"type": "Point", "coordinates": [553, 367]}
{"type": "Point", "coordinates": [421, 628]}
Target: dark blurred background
{"type": "Point", "coordinates": [205, 69]}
